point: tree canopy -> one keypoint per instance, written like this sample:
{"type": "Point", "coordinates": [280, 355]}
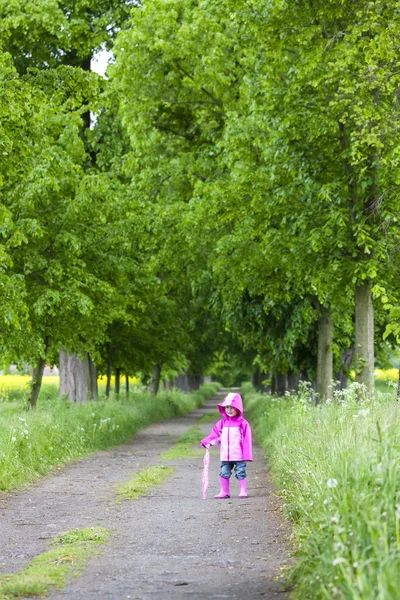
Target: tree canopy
{"type": "Point", "coordinates": [239, 185]}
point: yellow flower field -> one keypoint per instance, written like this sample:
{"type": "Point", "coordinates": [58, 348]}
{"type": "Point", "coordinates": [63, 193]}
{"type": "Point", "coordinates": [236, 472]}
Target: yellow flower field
{"type": "Point", "coordinates": [14, 382]}
{"type": "Point", "coordinates": [387, 375]}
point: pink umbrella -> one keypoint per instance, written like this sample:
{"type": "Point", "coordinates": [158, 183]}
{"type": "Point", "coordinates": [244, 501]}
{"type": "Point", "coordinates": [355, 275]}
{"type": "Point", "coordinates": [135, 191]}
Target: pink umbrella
{"type": "Point", "coordinates": [206, 462]}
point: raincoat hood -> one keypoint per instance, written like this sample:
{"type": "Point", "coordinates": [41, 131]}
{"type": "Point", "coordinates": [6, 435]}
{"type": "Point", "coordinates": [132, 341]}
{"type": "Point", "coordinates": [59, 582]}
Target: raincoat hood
{"type": "Point", "coordinates": [234, 400]}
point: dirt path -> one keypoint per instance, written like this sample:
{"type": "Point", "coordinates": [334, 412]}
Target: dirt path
{"type": "Point", "coordinates": [168, 545]}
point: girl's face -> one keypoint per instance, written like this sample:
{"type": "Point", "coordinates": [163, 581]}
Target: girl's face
{"type": "Point", "coordinates": [231, 411]}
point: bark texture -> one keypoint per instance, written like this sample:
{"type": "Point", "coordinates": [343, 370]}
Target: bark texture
{"type": "Point", "coordinates": [108, 384]}
{"type": "Point", "coordinates": [155, 380]}
{"type": "Point", "coordinates": [37, 377]}
{"type": "Point", "coordinates": [117, 381]}
{"type": "Point", "coordinates": [279, 384]}
{"type": "Point", "coordinates": [182, 382]}
{"type": "Point", "coordinates": [325, 355]}
{"type": "Point", "coordinates": [293, 381]}
{"type": "Point", "coordinates": [77, 377]}
{"type": "Point", "coordinates": [195, 381]}
{"type": "Point", "coordinates": [259, 380]}
{"type": "Point", "coordinates": [364, 351]}
{"type": "Point", "coordinates": [94, 390]}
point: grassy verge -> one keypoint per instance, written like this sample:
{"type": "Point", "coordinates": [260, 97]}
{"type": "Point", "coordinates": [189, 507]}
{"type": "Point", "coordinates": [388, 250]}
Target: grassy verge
{"type": "Point", "coordinates": [184, 446]}
{"type": "Point", "coordinates": [337, 468]}
{"type": "Point", "coordinates": [32, 443]}
{"type": "Point", "coordinates": [67, 557]}
{"type": "Point", "coordinates": [143, 482]}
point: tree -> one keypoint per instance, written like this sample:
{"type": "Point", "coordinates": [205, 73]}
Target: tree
{"type": "Point", "coordinates": [271, 122]}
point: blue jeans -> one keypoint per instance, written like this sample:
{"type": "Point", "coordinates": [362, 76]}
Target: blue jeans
{"type": "Point", "coordinates": [227, 466]}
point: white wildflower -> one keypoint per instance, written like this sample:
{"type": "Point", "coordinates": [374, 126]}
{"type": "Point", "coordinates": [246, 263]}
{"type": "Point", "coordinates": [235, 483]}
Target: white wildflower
{"type": "Point", "coordinates": [339, 547]}
{"type": "Point", "coordinates": [332, 483]}
{"type": "Point", "coordinates": [335, 519]}
{"type": "Point", "coordinates": [338, 561]}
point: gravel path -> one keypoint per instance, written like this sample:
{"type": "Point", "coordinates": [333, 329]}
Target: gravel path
{"type": "Point", "coordinates": [169, 545]}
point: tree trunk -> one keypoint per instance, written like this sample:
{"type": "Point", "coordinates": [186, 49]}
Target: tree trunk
{"type": "Point", "coordinates": [117, 381]}
{"type": "Point", "coordinates": [259, 379]}
{"type": "Point", "coordinates": [37, 376]}
{"type": "Point", "coordinates": [168, 384]}
{"type": "Point", "coordinates": [195, 381]}
{"type": "Point", "coordinates": [108, 384]}
{"type": "Point", "coordinates": [155, 380]}
{"type": "Point", "coordinates": [342, 376]}
{"type": "Point", "coordinates": [94, 390]}
{"type": "Point", "coordinates": [256, 379]}
{"type": "Point", "coordinates": [75, 377]}
{"type": "Point", "coordinates": [279, 384]}
{"type": "Point", "coordinates": [364, 351]}
{"type": "Point", "coordinates": [127, 386]}
{"type": "Point", "coordinates": [293, 381]}
{"type": "Point", "coordinates": [181, 382]}
{"type": "Point", "coordinates": [325, 355]}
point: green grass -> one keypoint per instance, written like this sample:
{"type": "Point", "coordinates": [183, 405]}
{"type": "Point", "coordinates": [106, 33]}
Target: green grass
{"type": "Point", "coordinates": [386, 388]}
{"type": "Point", "coordinates": [51, 569]}
{"type": "Point", "coordinates": [211, 417]}
{"type": "Point", "coordinates": [33, 443]}
{"type": "Point", "coordinates": [184, 446]}
{"type": "Point", "coordinates": [143, 482]}
{"type": "Point", "coordinates": [336, 468]}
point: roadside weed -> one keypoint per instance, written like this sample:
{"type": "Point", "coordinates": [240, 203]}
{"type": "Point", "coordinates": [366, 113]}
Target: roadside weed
{"type": "Point", "coordinates": [142, 483]}
{"type": "Point", "coordinates": [211, 417]}
{"type": "Point", "coordinates": [336, 467]}
{"type": "Point", "coordinates": [52, 568]}
{"type": "Point", "coordinates": [184, 446]}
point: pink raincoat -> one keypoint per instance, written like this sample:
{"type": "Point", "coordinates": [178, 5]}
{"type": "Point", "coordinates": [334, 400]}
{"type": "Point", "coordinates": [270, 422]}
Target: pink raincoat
{"type": "Point", "coordinates": [233, 433]}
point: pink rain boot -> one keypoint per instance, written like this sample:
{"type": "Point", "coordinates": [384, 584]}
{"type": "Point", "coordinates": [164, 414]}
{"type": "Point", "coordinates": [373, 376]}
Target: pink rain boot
{"type": "Point", "coordinates": [224, 493]}
{"type": "Point", "coordinates": [243, 491]}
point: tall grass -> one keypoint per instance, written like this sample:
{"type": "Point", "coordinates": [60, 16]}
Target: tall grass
{"type": "Point", "coordinates": [34, 442]}
{"type": "Point", "coordinates": [337, 467]}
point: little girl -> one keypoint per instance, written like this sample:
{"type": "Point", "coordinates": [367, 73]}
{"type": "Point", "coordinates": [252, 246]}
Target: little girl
{"type": "Point", "coordinates": [234, 434]}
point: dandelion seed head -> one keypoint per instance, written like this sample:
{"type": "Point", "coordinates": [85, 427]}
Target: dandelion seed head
{"type": "Point", "coordinates": [339, 546]}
